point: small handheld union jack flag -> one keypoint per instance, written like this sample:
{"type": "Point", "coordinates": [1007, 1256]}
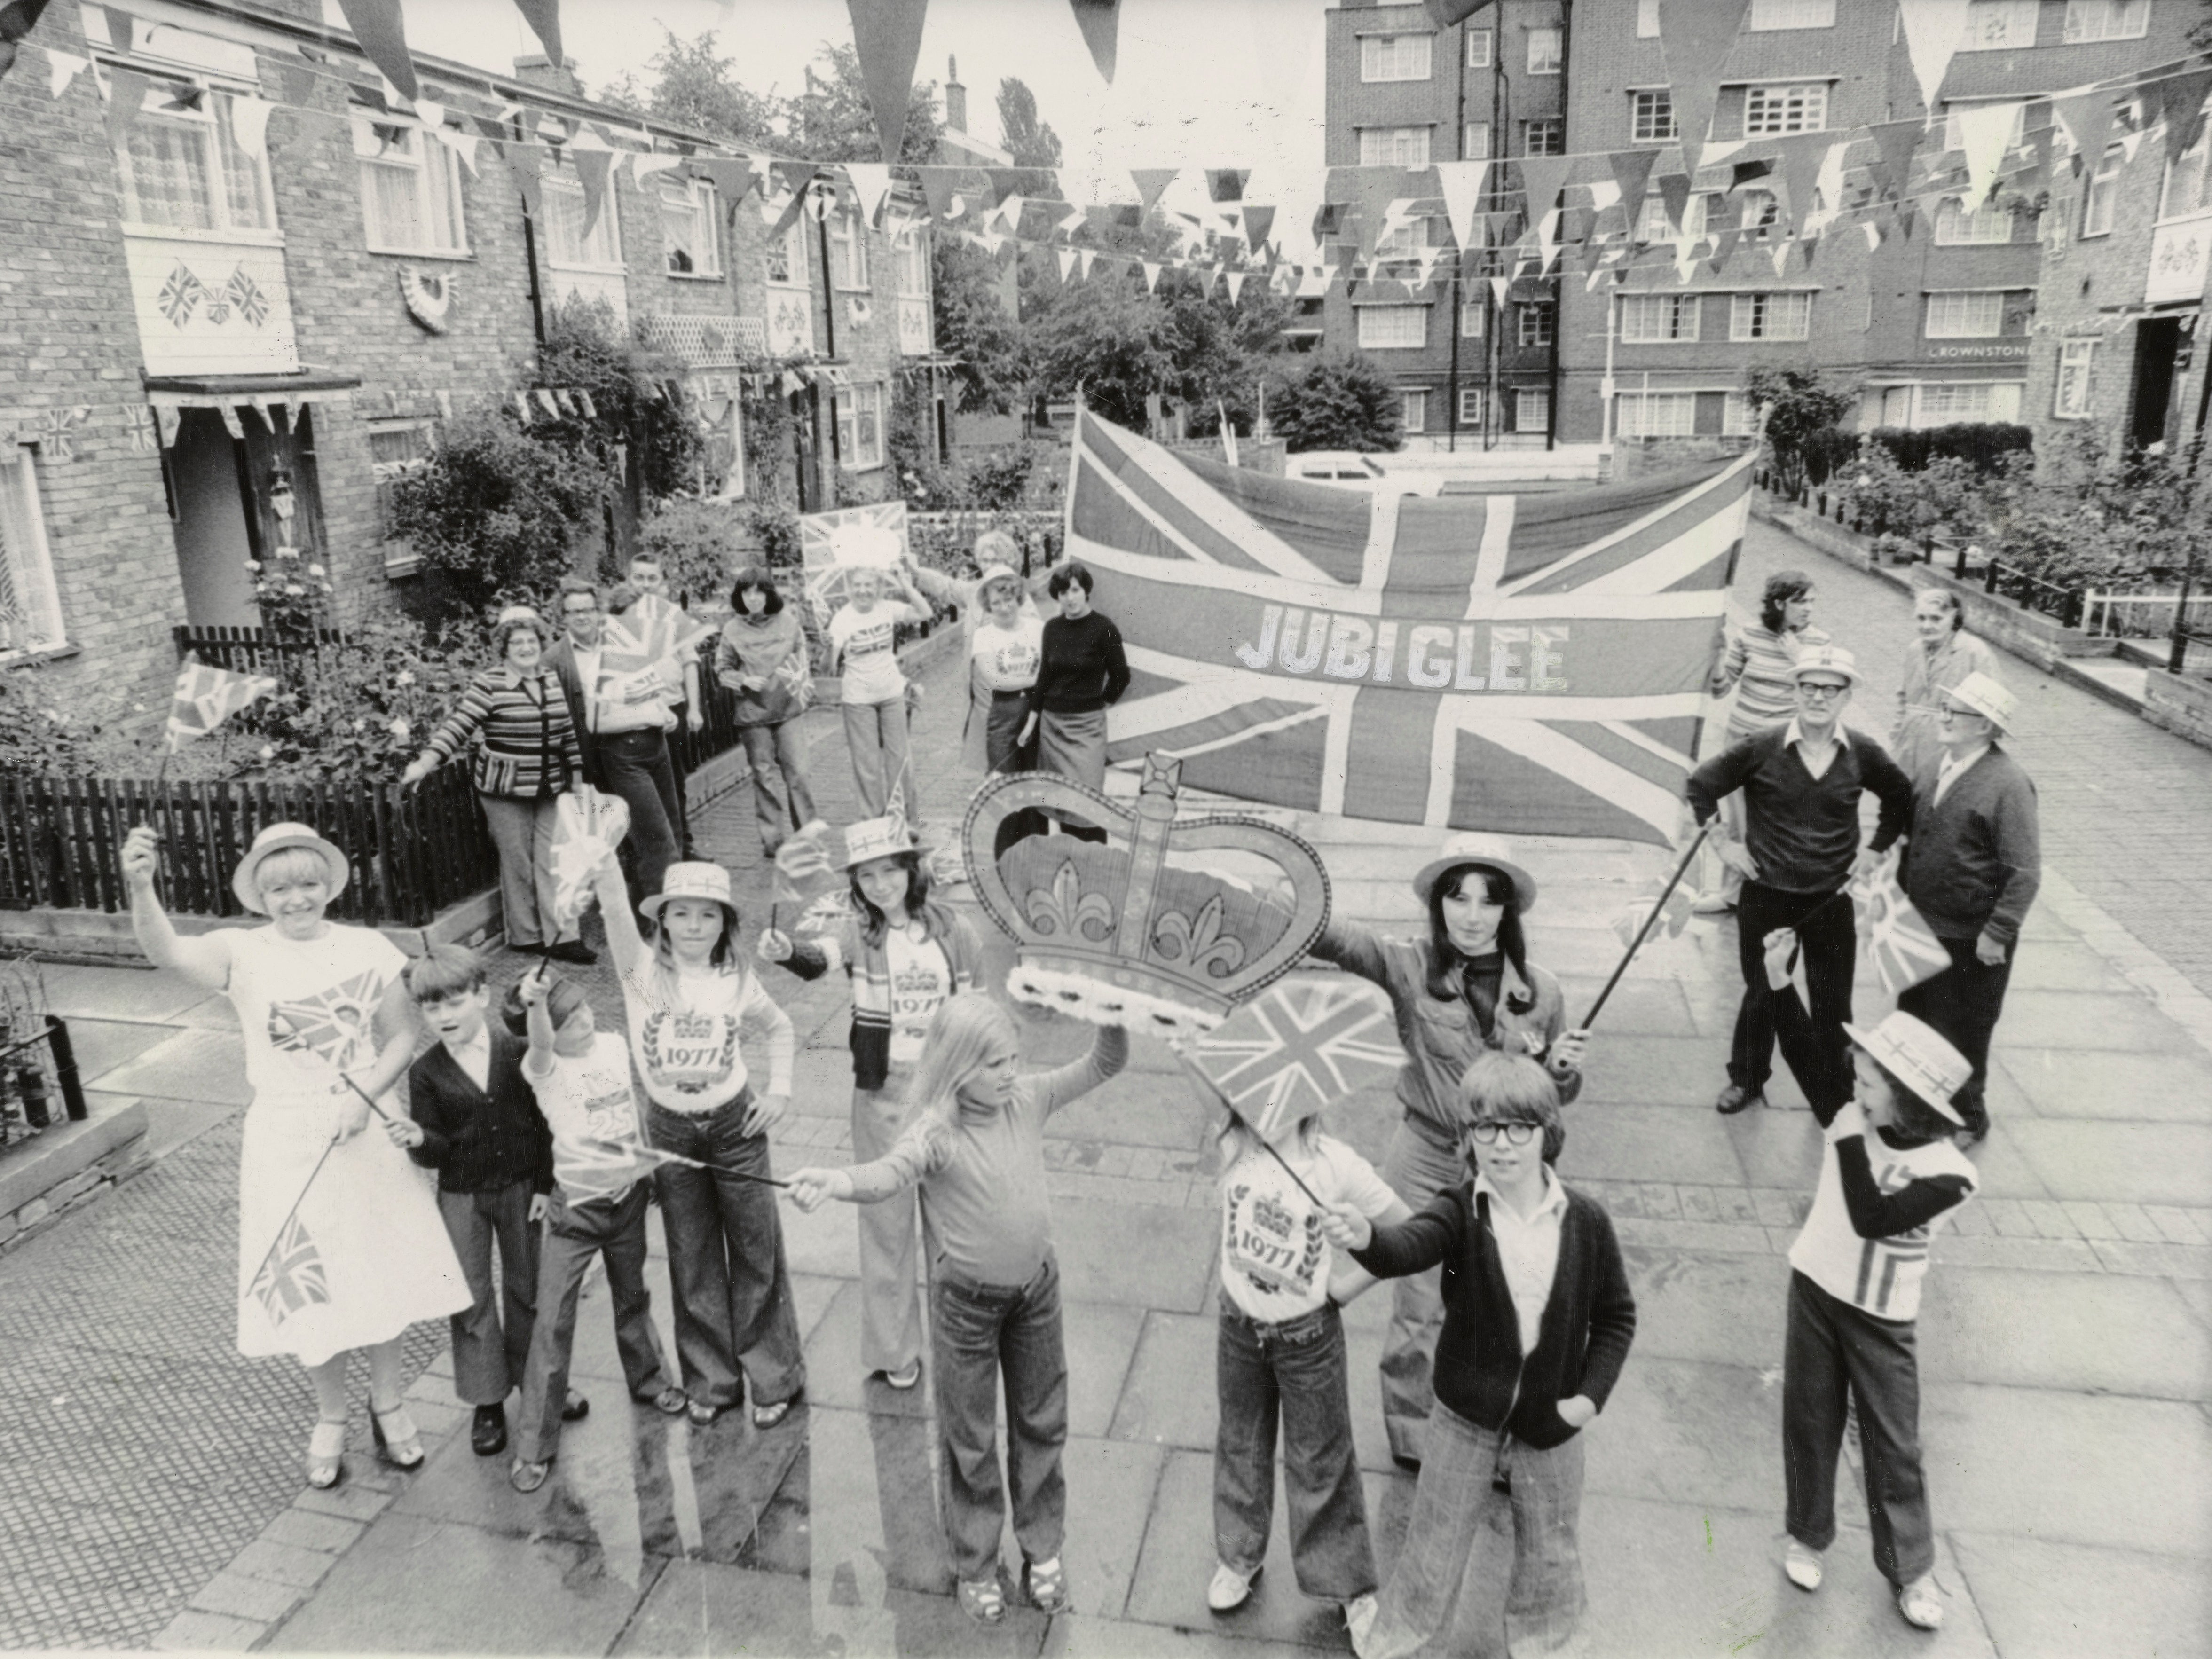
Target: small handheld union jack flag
{"type": "Point", "coordinates": [1297, 1049]}
{"type": "Point", "coordinates": [802, 869]}
{"type": "Point", "coordinates": [1902, 946]}
{"type": "Point", "coordinates": [207, 696]}
{"type": "Point", "coordinates": [291, 1274]}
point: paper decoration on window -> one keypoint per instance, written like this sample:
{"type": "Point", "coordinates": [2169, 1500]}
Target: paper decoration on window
{"type": "Point", "coordinates": [244, 293]}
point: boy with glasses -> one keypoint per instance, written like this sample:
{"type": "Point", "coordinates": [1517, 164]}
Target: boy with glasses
{"type": "Point", "coordinates": [1801, 783]}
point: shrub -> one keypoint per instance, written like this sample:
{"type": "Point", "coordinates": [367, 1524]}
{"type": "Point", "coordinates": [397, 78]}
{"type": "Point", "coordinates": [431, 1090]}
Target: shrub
{"type": "Point", "coordinates": [701, 545]}
{"type": "Point", "coordinates": [362, 708]}
{"type": "Point", "coordinates": [1826, 451]}
{"type": "Point", "coordinates": [1795, 403]}
{"type": "Point", "coordinates": [1338, 402]}
{"type": "Point", "coordinates": [1978, 443]}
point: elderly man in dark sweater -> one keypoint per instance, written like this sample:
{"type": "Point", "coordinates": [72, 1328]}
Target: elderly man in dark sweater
{"type": "Point", "coordinates": [1973, 864]}
{"type": "Point", "coordinates": [1802, 783]}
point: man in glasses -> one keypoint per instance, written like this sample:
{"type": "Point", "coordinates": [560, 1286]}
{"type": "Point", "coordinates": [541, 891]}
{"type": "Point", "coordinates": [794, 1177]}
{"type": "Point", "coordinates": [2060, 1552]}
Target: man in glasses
{"type": "Point", "coordinates": [1801, 783]}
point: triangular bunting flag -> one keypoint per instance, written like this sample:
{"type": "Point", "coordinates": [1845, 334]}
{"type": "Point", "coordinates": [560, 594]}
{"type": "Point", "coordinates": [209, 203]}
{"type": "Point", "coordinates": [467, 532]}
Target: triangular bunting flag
{"type": "Point", "coordinates": [377, 25]}
{"type": "Point", "coordinates": [528, 163]}
{"type": "Point", "coordinates": [61, 68]}
{"type": "Point", "coordinates": [249, 124]}
{"type": "Point", "coordinates": [1226, 184]}
{"type": "Point", "coordinates": [2087, 118]}
{"type": "Point", "coordinates": [592, 167]}
{"type": "Point", "coordinates": [1258, 222]}
{"type": "Point", "coordinates": [1066, 258]}
{"type": "Point", "coordinates": [126, 97]}
{"type": "Point", "coordinates": [1984, 133]}
{"type": "Point", "coordinates": [1934, 30]}
{"type": "Point", "coordinates": [1674, 196]}
{"type": "Point", "coordinates": [887, 39]}
{"type": "Point", "coordinates": [1463, 191]}
{"type": "Point", "coordinates": [1150, 181]}
{"type": "Point", "coordinates": [2181, 101]}
{"type": "Point", "coordinates": [871, 183]}
{"type": "Point", "coordinates": [1152, 276]}
{"type": "Point", "coordinates": [1696, 37]}
{"type": "Point", "coordinates": [939, 187]}
{"type": "Point", "coordinates": [1894, 142]}
{"type": "Point", "coordinates": [1096, 18]}
{"type": "Point", "coordinates": [543, 17]}
{"type": "Point", "coordinates": [1236, 281]}
{"type": "Point", "coordinates": [1631, 176]}
{"type": "Point", "coordinates": [1542, 177]}
{"type": "Point", "coordinates": [1797, 161]}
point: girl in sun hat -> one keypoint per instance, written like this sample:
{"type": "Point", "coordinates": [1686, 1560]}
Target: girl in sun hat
{"type": "Point", "coordinates": [1466, 987]}
{"type": "Point", "coordinates": [691, 1000]}
{"type": "Point", "coordinates": [1890, 1180]}
{"type": "Point", "coordinates": [340, 1243]}
{"type": "Point", "coordinates": [903, 954]}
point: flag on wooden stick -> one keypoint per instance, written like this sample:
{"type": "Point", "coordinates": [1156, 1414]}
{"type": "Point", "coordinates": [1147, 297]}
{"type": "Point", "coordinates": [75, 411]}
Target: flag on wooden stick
{"type": "Point", "coordinates": [1297, 1049]}
{"type": "Point", "coordinates": [587, 826]}
{"type": "Point", "coordinates": [1901, 945]}
{"type": "Point", "coordinates": [206, 698]}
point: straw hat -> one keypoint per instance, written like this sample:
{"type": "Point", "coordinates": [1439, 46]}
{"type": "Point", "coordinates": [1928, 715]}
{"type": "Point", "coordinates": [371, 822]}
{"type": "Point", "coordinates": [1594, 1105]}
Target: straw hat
{"type": "Point", "coordinates": [876, 838]}
{"type": "Point", "coordinates": [1827, 659]}
{"type": "Point", "coordinates": [276, 838]}
{"type": "Point", "coordinates": [1919, 1058]}
{"type": "Point", "coordinates": [1987, 698]}
{"type": "Point", "coordinates": [690, 881]}
{"type": "Point", "coordinates": [995, 572]}
{"type": "Point", "coordinates": [1468, 847]}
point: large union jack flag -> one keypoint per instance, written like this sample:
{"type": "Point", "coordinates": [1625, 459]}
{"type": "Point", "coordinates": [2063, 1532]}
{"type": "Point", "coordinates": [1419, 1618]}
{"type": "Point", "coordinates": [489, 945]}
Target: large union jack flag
{"type": "Point", "coordinates": [1529, 664]}
{"type": "Point", "coordinates": [1299, 1047]}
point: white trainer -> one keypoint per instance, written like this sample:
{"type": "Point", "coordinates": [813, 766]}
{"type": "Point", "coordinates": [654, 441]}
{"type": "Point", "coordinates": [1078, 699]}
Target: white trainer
{"type": "Point", "coordinates": [1230, 1590]}
{"type": "Point", "coordinates": [1803, 1567]}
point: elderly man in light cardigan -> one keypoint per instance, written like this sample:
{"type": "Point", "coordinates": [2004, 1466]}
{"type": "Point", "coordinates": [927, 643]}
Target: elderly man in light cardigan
{"type": "Point", "coordinates": [1973, 864]}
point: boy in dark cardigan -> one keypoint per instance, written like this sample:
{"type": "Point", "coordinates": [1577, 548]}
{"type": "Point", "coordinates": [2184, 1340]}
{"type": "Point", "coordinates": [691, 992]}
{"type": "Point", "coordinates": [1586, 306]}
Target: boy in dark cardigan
{"type": "Point", "coordinates": [477, 1124]}
{"type": "Point", "coordinates": [1538, 1320]}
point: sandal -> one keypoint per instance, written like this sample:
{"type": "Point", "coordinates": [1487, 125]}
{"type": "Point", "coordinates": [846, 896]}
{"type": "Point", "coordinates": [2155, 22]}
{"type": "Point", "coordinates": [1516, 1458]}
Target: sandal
{"type": "Point", "coordinates": [399, 1444]}
{"type": "Point", "coordinates": [1918, 1602]}
{"type": "Point", "coordinates": [669, 1402]}
{"type": "Point", "coordinates": [1046, 1583]}
{"type": "Point", "coordinates": [527, 1477]}
{"type": "Point", "coordinates": [983, 1600]}
{"type": "Point", "coordinates": [327, 1455]}
{"type": "Point", "coordinates": [905, 1377]}
{"type": "Point", "coordinates": [766, 1416]}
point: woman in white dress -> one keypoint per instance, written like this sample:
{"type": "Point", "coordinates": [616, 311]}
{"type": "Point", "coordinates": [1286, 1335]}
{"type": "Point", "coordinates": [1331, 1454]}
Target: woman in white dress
{"type": "Point", "coordinates": [340, 1245]}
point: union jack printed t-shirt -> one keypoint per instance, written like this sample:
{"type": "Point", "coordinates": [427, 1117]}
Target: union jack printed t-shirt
{"type": "Point", "coordinates": [864, 642]}
{"type": "Point", "coordinates": [1879, 1276]}
{"type": "Point", "coordinates": [588, 1104]}
{"type": "Point", "coordinates": [1275, 1261]}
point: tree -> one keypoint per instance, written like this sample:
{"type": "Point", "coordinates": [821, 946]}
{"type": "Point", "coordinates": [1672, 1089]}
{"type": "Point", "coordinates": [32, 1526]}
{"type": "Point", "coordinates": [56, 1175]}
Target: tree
{"type": "Point", "coordinates": [1109, 340]}
{"type": "Point", "coordinates": [1337, 402]}
{"type": "Point", "coordinates": [696, 88]}
{"type": "Point", "coordinates": [1030, 142]}
{"type": "Point", "coordinates": [835, 121]}
{"type": "Point", "coordinates": [1795, 402]}
{"type": "Point", "coordinates": [973, 324]}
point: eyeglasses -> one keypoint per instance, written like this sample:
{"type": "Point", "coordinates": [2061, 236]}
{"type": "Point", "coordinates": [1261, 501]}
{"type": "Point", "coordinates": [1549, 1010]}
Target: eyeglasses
{"type": "Point", "coordinates": [1822, 688]}
{"type": "Point", "coordinates": [1517, 1134]}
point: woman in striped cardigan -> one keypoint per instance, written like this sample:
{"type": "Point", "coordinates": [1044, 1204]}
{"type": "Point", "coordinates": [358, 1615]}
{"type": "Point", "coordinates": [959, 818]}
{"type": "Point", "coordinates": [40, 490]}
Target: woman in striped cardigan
{"type": "Point", "coordinates": [526, 756]}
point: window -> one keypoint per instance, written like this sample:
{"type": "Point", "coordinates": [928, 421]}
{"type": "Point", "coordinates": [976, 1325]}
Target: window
{"type": "Point", "coordinates": [410, 189]}
{"type": "Point", "coordinates": [2184, 190]}
{"type": "Point", "coordinates": [1470, 405]}
{"type": "Point", "coordinates": [1657, 415]}
{"type": "Point", "coordinates": [395, 449]}
{"type": "Point", "coordinates": [1647, 19]}
{"type": "Point", "coordinates": [1802, 107]}
{"type": "Point", "coordinates": [1755, 211]}
{"type": "Point", "coordinates": [1652, 117]}
{"type": "Point", "coordinates": [1792, 15]}
{"type": "Point", "coordinates": [2106, 20]}
{"type": "Point", "coordinates": [1470, 318]}
{"type": "Point", "coordinates": [2076, 359]}
{"type": "Point", "coordinates": [1941, 403]}
{"type": "Point", "coordinates": [1533, 322]}
{"type": "Point", "coordinates": [1999, 25]}
{"type": "Point", "coordinates": [565, 240]}
{"type": "Point", "coordinates": [30, 611]}
{"type": "Point", "coordinates": [1413, 410]}
{"type": "Point", "coordinates": [1394, 56]}
{"type": "Point", "coordinates": [182, 169]}
{"type": "Point", "coordinates": [1977, 314]}
{"type": "Point", "coordinates": [1394, 147]}
{"type": "Point", "coordinates": [1735, 416]}
{"type": "Point", "coordinates": [1474, 141]}
{"type": "Point", "coordinates": [1544, 48]}
{"type": "Point", "coordinates": [1478, 48]}
{"type": "Point", "coordinates": [1405, 240]}
{"type": "Point", "coordinates": [785, 262]}
{"type": "Point", "coordinates": [688, 222]}
{"type": "Point", "coordinates": [1383, 328]}
{"type": "Point", "coordinates": [910, 265]}
{"type": "Point", "coordinates": [1651, 225]}
{"type": "Point", "coordinates": [848, 249]}
{"type": "Point", "coordinates": [1532, 409]}
{"type": "Point", "coordinates": [1771, 316]}
{"type": "Point", "coordinates": [2104, 190]}
{"type": "Point", "coordinates": [860, 427]}
{"type": "Point", "coordinates": [1656, 319]}
{"type": "Point", "coordinates": [1955, 226]}
{"type": "Point", "coordinates": [1548, 136]}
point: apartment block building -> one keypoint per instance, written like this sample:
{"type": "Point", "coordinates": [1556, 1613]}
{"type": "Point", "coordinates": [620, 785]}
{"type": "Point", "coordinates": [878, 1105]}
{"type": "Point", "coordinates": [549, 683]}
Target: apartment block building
{"type": "Point", "coordinates": [1936, 324]}
{"type": "Point", "coordinates": [1474, 366]}
{"type": "Point", "coordinates": [235, 308]}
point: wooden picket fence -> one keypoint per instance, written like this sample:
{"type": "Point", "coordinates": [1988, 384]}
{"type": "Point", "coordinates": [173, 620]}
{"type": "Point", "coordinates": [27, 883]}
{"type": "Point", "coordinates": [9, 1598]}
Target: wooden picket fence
{"type": "Point", "coordinates": [414, 853]}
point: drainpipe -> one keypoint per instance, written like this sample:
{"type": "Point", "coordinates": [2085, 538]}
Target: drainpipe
{"type": "Point", "coordinates": [530, 252]}
{"type": "Point", "coordinates": [1559, 309]}
{"type": "Point", "coordinates": [1459, 260]}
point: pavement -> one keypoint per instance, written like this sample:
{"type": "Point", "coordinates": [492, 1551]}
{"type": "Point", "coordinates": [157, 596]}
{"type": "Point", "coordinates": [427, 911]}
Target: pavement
{"type": "Point", "coordinates": [148, 1476]}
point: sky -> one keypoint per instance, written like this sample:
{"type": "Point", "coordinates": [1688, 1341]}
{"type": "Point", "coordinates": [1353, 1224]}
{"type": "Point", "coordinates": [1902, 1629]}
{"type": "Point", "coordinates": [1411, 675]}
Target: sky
{"type": "Point", "coordinates": [1199, 84]}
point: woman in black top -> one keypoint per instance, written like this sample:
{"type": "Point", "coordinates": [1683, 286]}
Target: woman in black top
{"type": "Point", "coordinates": [1083, 672]}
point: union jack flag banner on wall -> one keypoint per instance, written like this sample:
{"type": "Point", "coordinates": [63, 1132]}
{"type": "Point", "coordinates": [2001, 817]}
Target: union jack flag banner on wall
{"type": "Point", "coordinates": [1530, 665]}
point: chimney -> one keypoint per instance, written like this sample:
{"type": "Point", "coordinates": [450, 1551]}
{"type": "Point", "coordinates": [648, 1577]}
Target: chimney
{"type": "Point", "coordinates": [956, 97]}
{"type": "Point", "coordinates": [538, 70]}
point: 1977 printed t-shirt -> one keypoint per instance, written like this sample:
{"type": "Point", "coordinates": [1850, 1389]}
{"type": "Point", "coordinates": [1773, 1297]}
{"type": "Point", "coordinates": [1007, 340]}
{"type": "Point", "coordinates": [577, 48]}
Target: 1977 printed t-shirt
{"type": "Point", "coordinates": [864, 642]}
{"type": "Point", "coordinates": [592, 1113]}
{"type": "Point", "coordinates": [921, 978]}
{"type": "Point", "coordinates": [1275, 1261]}
{"type": "Point", "coordinates": [684, 1030]}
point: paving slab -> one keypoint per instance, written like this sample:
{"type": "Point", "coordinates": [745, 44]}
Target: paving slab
{"type": "Point", "coordinates": [1139, 1256]}
{"type": "Point", "coordinates": [2049, 1601]}
{"type": "Point", "coordinates": [1111, 1489]}
{"type": "Point", "coordinates": [1652, 1143]}
{"type": "Point", "coordinates": [1631, 1069]}
{"type": "Point", "coordinates": [2093, 1019]}
{"type": "Point", "coordinates": [1722, 1310]}
{"type": "Point", "coordinates": [2048, 965]}
{"type": "Point", "coordinates": [1638, 1006]}
{"type": "Point", "coordinates": [124, 994]}
{"type": "Point", "coordinates": [1139, 1108]}
{"type": "Point", "coordinates": [186, 1065]}
{"type": "Point", "coordinates": [1685, 1431]}
{"type": "Point", "coordinates": [2127, 1163]}
{"type": "Point", "coordinates": [2102, 1334]}
{"type": "Point", "coordinates": [101, 1045]}
{"type": "Point", "coordinates": [706, 1609]}
{"type": "Point", "coordinates": [1169, 1399]}
{"type": "Point", "coordinates": [2065, 1082]}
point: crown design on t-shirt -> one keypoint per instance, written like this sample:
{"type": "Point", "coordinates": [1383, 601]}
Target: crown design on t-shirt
{"type": "Point", "coordinates": [1268, 1212]}
{"type": "Point", "coordinates": [1165, 927]}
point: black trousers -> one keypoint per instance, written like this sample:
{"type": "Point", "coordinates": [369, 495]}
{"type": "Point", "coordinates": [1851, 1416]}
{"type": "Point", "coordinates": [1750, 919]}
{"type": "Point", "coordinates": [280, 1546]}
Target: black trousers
{"type": "Point", "coordinates": [1812, 1039]}
{"type": "Point", "coordinates": [1962, 1005]}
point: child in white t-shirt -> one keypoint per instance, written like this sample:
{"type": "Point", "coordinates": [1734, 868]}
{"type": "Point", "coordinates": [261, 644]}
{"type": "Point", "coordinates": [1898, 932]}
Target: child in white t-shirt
{"type": "Point", "coordinates": [1281, 1356]}
{"type": "Point", "coordinates": [863, 643]}
{"type": "Point", "coordinates": [582, 1080]}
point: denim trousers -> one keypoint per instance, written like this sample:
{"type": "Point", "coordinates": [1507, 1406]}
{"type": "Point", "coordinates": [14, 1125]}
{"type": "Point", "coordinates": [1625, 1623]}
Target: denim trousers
{"type": "Point", "coordinates": [490, 1353]}
{"type": "Point", "coordinates": [980, 1333]}
{"type": "Point", "coordinates": [783, 800]}
{"type": "Point", "coordinates": [1290, 1371]}
{"type": "Point", "coordinates": [876, 736]}
{"type": "Point", "coordinates": [636, 767]}
{"type": "Point", "coordinates": [726, 1263]}
{"type": "Point", "coordinates": [1832, 1349]}
{"type": "Point", "coordinates": [522, 831]}
{"type": "Point", "coordinates": [1457, 1510]}
{"type": "Point", "coordinates": [1963, 1004]}
{"type": "Point", "coordinates": [890, 1300]}
{"type": "Point", "coordinates": [1422, 1162]}
{"type": "Point", "coordinates": [1812, 1039]}
{"type": "Point", "coordinates": [612, 1228]}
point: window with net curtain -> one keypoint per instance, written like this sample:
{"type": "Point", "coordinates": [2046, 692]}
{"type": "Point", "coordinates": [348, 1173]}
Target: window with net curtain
{"type": "Point", "coordinates": [565, 237]}
{"type": "Point", "coordinates": [1955, 226]}
{"type": "Point", "coordinates": [2185, 189]}
{"type": "Point", "coordinates": [1385, 327]}
{"type": "Point", "coordinates": [1394, 147]}
{"type": "Point", "coordinates": [182, 170]}
{"type": "Point", "coordinates": [1966, 315]}
{"type": "Point", "coordinates": [1658, 319]}
{"type": "Point", "coordinates": [410, 189]}
{"type": "Point", "coordinates": [784, 263]}
{"type": "Point", "coordinates": [1658, 414]}
{"type": "Point", "coordinates": [848, 250]}
{"type": "Point", "coordinates": [1770, 317]}
{"type": "Point", "coordinates": [860, 427]}
{"type": "Point", "coordinates": [1394, 56]}
{"type": "Point", "coordinates": [30, 615]}
{"type": "Point", "coordinates": [688, 226]}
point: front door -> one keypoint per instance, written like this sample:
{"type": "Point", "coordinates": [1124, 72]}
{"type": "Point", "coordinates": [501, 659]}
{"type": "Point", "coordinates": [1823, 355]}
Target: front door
{"type": "Point", "coordinates": [2158, 342]}
{"type": "Point", "coordinates": [237, 499]}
